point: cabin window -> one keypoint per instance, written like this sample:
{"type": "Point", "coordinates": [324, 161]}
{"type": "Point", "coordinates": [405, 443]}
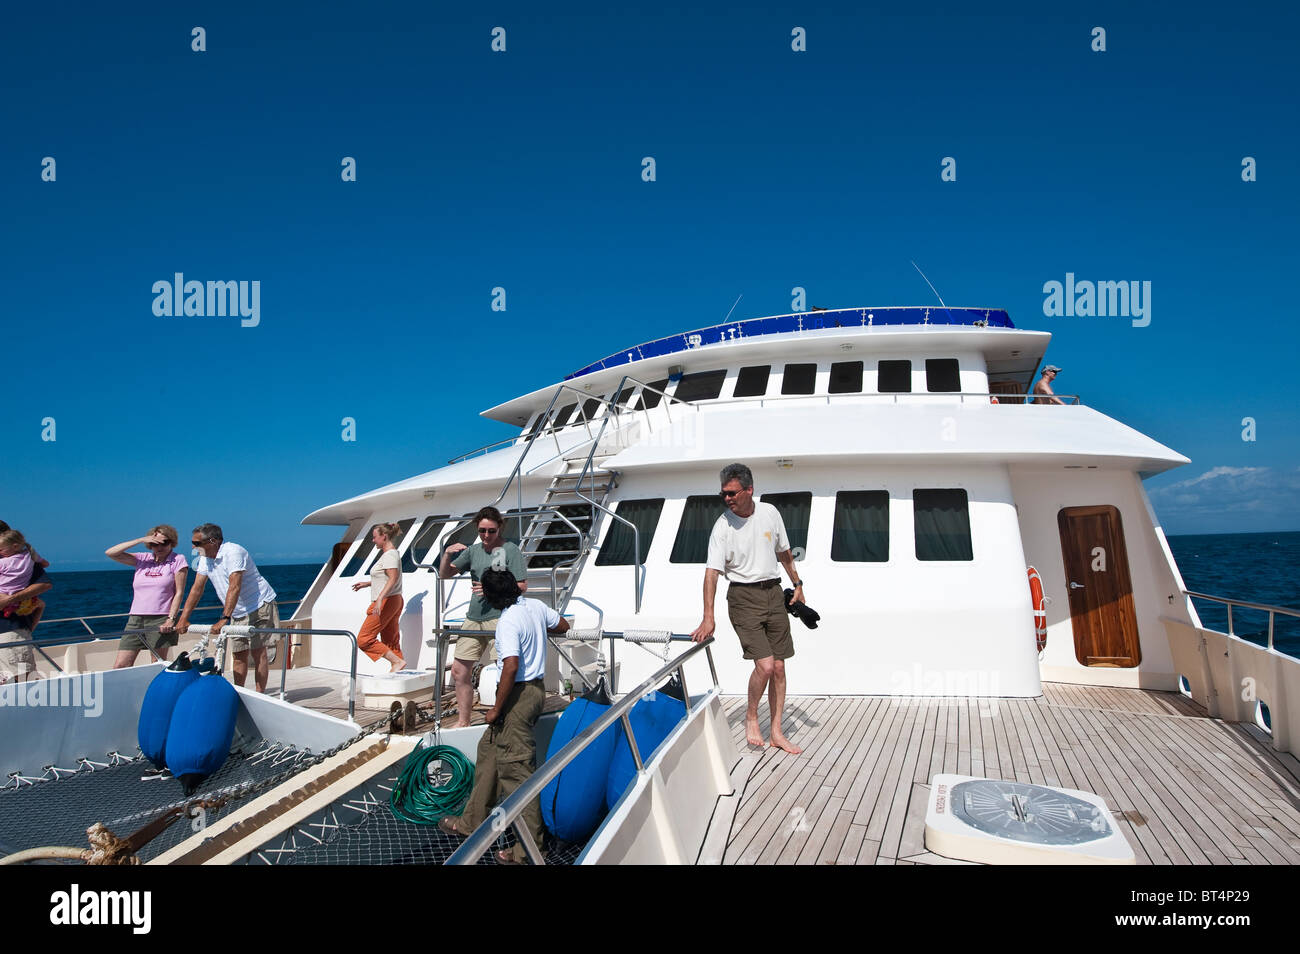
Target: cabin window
{"type": "Point", "coordinates": [559, 541]}
{"type": "Point", "coordinates": [799, 379]}
{"type": "Point", "coordinates": [700, 386]}
{"type": "Point", "coordinates": [942, 374]}
{"type": "Point", "coordinates": [698, 517]}
{"type": "Point", "coordinates": [619, 548]}
{"type": "Point", "coordinates": [562, 416]}
{"type": "Point", "coordinates": [624, 396]}
{"type": "Point", "coordinates": [423, 544]}
{"type": "Point", "coordinates": [513, 531]}
{"type": "Point", "coordinates": [405, 526]}
{"type": "Point", "coordinates": [752, 382]}
{"type": "Point", "coordinates": [650, 399]}
{"type": "Point", "coordinates": [362, 556]}
{"type": "Point", "coordinates": [861, 530]}
{"type": "Point", "coordinates": [942, 525]}
{"type": "Point", "coordinates": [894, 377]}
{"type": "Point", "coordinates": [590, 408]}
{"type": "Point", "coordinates": [846, 377]}
{"type": "Point", "coordinates": [537, 425]}
{"type": "Point", "coordinates": [794, 509]}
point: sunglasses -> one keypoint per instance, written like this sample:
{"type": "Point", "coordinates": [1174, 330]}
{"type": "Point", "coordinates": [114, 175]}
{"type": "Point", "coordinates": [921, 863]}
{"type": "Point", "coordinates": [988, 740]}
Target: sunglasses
{"type": "Point", "coordinates": [488, 531]}
{"type": "Point", "coordinates": [728, 494]}
{"type": "Point", "coordinates": [196, 543]}
{"type": "Point", "coordinates": [163, 544]}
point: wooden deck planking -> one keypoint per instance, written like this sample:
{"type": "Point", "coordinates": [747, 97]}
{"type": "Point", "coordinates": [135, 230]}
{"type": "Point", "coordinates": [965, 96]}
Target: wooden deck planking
{"type": "Point", "coordinates": [1184, 788]}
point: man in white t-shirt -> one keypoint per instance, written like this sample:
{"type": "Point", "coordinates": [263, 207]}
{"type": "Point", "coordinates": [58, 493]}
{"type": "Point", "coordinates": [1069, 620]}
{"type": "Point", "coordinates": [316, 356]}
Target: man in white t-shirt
{"type": "Point", "coordinates": [246, 599]}
{"type": "Point", "coordinates": [507, 751]}
{"type": "Point", "coordinates": [746, 544]}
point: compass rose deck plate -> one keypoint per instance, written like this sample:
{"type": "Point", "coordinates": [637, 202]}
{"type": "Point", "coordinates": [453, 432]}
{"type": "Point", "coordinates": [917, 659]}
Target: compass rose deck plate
{"type": "Point", "coordinates": [998, 822]}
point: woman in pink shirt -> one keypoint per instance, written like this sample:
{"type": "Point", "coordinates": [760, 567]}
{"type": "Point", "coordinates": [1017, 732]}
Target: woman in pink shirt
{"type": "Point", "coordinates": [159, 586]}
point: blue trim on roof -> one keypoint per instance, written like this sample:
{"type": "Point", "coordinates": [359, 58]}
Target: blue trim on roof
{"type": "Point", "coordinates": [804, 321]}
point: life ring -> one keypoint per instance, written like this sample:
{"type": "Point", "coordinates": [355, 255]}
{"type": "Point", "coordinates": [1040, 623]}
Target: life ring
{"type": "Point", "coordinates": [1040, 608]}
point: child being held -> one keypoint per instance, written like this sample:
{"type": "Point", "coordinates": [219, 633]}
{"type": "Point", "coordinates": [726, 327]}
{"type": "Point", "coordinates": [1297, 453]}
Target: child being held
{"type": "Point", "coordinates": [17, 561]}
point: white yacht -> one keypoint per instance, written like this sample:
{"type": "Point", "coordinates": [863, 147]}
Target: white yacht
{"type": "Point", "coordinates": [999, 606]}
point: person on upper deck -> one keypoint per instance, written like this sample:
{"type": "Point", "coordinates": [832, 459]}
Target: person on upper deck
{"type": "Point", "coordinates": [380, 636]}
{"type": "Point", "coordinates": [507, 751]}
{"type": "Point", "coordinates": [158, 588]}
{"type": "Point", "coordinates": [491, 551]}
{"type": "Point", "coordinates": [746, 543]}
{"type": "Point", "coordinates": [246, 599]}
{"type": "Point", "coordinates": [1043, 393]}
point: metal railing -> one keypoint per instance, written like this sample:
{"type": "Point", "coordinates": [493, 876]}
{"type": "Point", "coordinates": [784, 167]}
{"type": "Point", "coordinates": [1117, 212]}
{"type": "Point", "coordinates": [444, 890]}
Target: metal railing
{"type": "Point", "coordinates": [41, 645]}
{"type": "Point", "coordinates": [1272, 611]}
{"type": "Point", "coordinates": [82, 621]}
{"type": "Point", "coordinates": [232, 629]}
{"type": "Point", "coordinates": [892, 397]}
{"type": "Point", "coordinates": [508, 813]}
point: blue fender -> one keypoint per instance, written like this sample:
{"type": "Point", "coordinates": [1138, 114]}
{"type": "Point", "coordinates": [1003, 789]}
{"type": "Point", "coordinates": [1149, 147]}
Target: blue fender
{"type": "Point", "coordinates": [573, 803]}
{"type": "Point", "coordinates": [203, 726]}
{"type": "Point", "coordinates": [653, 720]}
{"type": "Point", "coordinates": [156, 711]}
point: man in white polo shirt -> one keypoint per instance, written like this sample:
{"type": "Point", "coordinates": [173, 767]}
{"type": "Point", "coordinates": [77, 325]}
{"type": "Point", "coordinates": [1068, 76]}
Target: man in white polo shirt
{"type": "Point", "coordinates": [507, 752]}
{"type": "Point", "coordinates": [247, 600]}
{"type": "Point", "coordinates": [745, 544]}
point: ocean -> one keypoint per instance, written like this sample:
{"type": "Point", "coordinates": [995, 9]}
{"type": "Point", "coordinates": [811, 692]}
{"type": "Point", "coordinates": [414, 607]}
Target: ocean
{"type": "Point", "coordinates": [1258, 567]}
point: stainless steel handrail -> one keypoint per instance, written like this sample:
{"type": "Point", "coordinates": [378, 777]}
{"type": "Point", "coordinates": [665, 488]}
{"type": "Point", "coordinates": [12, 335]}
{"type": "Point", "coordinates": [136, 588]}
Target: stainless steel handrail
{"type": "Point", "coordinates": [1245, 604]}
{"type": "Point", "coordinates": [1011, 399]}
{"type": "Point", "coordinates": [82, 619]}
{"type": "Point", "coordinates": [40, 645]}
{"type": "Point", "coordinates": [508, 812]}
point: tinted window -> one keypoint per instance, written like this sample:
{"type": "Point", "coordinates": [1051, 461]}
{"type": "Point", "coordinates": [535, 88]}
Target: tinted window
{"type": "Point", "coordinates": [846, 377]}
{"type": "Point", "coordinates": [650, 399]}
{"type": "Point", "coordinates": [362, 556]}
{"type": "Point", "coordinates": [563, 415]}
{"type": "Point", "coordinates": [752, 382]}
{"type": "Point", "coordinates": [591, 407]}
{"type": "Point", "coordinates": [559, 541]}
{"type": "Point", "coordinates": [794, 510]}
{"type": "Point", "coordinates": [405, 526]}
{"type": "Point", "coordinates": [799, 379]}
{"type": "Point", "coordinates": [941, 519]}
{"type": "Point", "coordinates": [624, 395]}
{"type": "Point", "coordinates": [700, 386]}
{"type": "Point", "coordinates": [698, 517]}
{"type": "Point", "coordinates": [537, 425]}
{"type": "Point", "coordinates": [894, 377]}
{"type": "Point", "coordinates": [620, 541]}
{"type": "Point", "coordinates": [942, 374]}
{"type": "Point", "coordinates": [424, 542]}
{"type": "Point", "coordinates": [861, 530]}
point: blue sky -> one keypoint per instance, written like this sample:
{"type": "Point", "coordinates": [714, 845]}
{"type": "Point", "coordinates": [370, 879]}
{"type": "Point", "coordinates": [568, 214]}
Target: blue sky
{"type": "Point", "coordinates": [522, 169]}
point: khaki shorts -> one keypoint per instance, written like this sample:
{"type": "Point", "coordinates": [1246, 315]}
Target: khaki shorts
{"type": "Point", "coordinates": [17, 660]}
{"type": "Point", "coordinates": [759, 617]}
{"type": "Point", "coordinates": [266, 616]}
{"type": "Point", "coordinates": [152, 637]}
{"type": "Point", "coordinates": [471, 648]}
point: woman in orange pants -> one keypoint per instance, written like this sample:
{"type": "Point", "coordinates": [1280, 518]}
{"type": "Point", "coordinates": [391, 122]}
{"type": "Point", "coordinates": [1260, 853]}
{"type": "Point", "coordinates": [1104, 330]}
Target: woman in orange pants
{"type": "Point", "coordinates": [380, 636]}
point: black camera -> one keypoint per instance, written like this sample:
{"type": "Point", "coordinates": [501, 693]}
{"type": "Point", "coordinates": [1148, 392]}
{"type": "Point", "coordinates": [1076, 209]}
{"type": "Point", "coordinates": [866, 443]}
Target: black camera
{"type": "Point", "coordinates": [801, 610]}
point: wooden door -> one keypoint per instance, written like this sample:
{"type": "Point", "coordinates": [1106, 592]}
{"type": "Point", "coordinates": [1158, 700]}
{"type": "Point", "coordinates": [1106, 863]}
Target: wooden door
{"type": "Point", "coordinates": [1099, 587]}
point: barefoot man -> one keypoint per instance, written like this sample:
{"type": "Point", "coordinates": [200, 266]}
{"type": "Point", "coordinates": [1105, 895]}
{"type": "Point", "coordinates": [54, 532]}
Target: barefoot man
{"type": "Point", "coordinates": [745, 545]}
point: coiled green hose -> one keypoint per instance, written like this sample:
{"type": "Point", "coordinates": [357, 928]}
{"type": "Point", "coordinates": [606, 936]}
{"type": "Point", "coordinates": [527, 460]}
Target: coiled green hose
{"type": "Point", "coordinates": [418, 799]}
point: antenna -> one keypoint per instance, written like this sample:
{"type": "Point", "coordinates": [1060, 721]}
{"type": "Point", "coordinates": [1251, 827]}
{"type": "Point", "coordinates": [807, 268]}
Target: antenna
{"type": "Point", "coordinates": [735, 303]}
{"type": "Point", "coordinates": [932, 288]}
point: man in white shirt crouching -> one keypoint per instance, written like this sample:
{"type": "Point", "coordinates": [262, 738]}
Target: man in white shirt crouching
{"type": "Point", "coordinates": [507, 752]}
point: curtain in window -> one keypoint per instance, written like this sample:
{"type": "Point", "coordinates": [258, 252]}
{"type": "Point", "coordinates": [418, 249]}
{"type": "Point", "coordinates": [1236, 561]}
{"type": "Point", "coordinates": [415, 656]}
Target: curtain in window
{"type": "Point", "coordinates": [861, 530]}
{"type": "Point", "coordinates": [794, 510]}
{"type": "Point", "coordinates": [942, 525]}
{"type": "Point", "coordinates": [698, 517]}
{"type": "Point", "coordinates": [617, 549]}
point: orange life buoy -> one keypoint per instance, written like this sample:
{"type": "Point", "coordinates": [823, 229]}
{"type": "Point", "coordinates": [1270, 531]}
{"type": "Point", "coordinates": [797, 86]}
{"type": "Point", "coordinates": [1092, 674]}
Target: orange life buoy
{"type": "Point", "coordinates": [1040, 608]}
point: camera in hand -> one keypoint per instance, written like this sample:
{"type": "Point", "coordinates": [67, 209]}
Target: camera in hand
{"type": "Point", "coordinates": [800, 610]}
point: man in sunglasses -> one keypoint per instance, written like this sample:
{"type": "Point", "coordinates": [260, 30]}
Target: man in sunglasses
{"type": "Point", "coordinates": [492, 551]}
{"type": "Point", "coordinates": [746, 543]}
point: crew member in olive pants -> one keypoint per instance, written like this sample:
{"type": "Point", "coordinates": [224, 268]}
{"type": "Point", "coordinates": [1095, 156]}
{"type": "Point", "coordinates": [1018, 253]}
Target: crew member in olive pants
{"type": "Point", "coordinates": [507, 752]}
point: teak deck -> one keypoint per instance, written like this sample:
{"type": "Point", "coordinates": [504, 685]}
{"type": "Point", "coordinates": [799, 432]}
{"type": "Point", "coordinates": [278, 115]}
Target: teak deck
{"type": "Point", "coordinates": [1184, 788]}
